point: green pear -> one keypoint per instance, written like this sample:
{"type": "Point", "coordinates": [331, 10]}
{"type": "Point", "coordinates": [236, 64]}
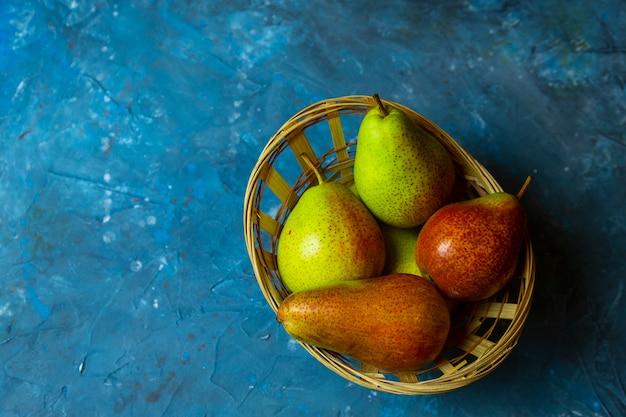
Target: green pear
{"type": "Point", "coordinates": [352, 188]}
{"type": "Point", "coordinates": [402, 173]}
{"type": "Point", "coordinates": [400, 249]}
{"type": "Point", "coordinates": [396, 322]}
{"type": "Point", "coordinates": [328, 237]}
{"type": "Point", "coordinates": [471, 248]}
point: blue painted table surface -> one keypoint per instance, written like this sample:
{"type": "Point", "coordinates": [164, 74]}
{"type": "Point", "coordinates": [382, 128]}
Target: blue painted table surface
{"type": "Point", "coordinates": [129, 130]}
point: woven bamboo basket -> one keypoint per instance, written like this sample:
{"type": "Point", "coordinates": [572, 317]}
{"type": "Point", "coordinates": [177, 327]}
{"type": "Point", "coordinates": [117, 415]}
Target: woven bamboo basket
{"type": "Point", "coordinates": [482, 333]}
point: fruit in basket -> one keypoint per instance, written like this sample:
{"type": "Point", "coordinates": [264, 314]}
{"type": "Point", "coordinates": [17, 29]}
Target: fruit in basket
{"type": "Point", "coordinates": [396, 322]}
{"type": "Point", "coordinates": [330, 236]}
{"type": "Point", "coordinates": [400, 249]}
{"type": "Point", "coordinates": [402, 173]}
{"type": "Point", "coordinates": [471, 248]}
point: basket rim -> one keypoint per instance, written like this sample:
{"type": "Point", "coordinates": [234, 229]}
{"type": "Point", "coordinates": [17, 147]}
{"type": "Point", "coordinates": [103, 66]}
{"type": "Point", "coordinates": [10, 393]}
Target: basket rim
{"type": "Point", "coordinates": [406, 385]}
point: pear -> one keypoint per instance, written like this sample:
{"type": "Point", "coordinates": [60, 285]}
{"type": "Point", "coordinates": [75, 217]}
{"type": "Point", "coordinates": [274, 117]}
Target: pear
{"type": "Point", "coordinates": [402, 173]}
{"type": "Point", "coordinates": [471, 248]}
{"type": "Point", "coordinates": [328, 237]}
{"type": "Point", "coordinates": [396, 322]}
{"type": "Point", "coordinates": [400, 249]}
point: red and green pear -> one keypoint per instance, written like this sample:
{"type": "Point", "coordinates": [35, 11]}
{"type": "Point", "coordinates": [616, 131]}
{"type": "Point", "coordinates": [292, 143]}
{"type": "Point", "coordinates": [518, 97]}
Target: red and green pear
{"type": "Point", "coordinates": [395, 323]}
{"type": "Point", "coordinates": [329, 236]}
{"type": "Point", "coordinates": [470, 249]}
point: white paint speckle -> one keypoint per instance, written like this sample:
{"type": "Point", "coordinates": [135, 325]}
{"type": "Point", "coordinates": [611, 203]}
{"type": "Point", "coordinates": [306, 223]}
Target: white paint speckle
{"type": "Point", "coordinates": [136, 266]}
{"type": "Point", "coordinates": [106, 143]}
{"type": "Point", "coordinates": [109, 237]}
{"type": "Point", "coordinates": [292, 345]}
{"type": "Point", "coordinates": [107, 203]}
{"type": "Point", "coordinates": [5, 311]}
{"type": "Point", "coordinates": [234, 116]}
{"type": "Point", "coordinates": [151, 220]}
{"type": "Point", "coordinates": [273, 210]}
{"type": "Point", "coordinates": [125, 140]}
{"type": "Point", "coordinates": [19, 89]}
{"type": "Point", "coordinates": [479, 119]}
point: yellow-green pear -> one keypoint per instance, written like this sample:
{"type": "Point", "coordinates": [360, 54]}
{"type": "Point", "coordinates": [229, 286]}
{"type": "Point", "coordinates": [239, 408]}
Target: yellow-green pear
{"type": "Point", "coordinates": [400, 249]}
{"type": "Point", "coordinates": [329, 237]}
{"type": "Point", "coordinates": [403, 174]}
{"type": "Point", "coordinates": [396, 322]}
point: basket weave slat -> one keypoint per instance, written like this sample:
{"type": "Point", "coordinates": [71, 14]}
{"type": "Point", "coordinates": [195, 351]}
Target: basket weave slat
{"type": "Point", "coordinates": [497, 310]}
{"type": "Point", "coordinates": [487, 330]}
{"type": "Point", "coordinates": [368, 369]}
{"type": "Point", "coordinates": [268, 223]}
{"type": "Point", "coordinates": [476, 345]}
{"type": "Point", "coordinates": [300, 145]}
{"type": "Point", "coordinates": [343, 171]}
{"type": "Point", "coordinates": [339, 142]}
{"type": "Point", "coordinates": [408, 377]}
{"type": "Point", "coordinates": [448, 369]}
{"type": "Point", "coordinates": [276, 183]}
{"type": "Point", "coordinates": [269, 260]}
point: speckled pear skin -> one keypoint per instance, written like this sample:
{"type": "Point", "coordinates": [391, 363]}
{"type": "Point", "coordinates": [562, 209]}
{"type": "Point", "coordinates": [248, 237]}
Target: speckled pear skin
{"type": "Point", "coordinates": [400, 247]}
{"type": "Point", "coordinates": [329, 237]}
{"type": "Point", "coordinates": [471, 248]}
{"type": "Point", "coordinates": [396, 322]}
{"type": "Point", "coordinates": [402, 173]}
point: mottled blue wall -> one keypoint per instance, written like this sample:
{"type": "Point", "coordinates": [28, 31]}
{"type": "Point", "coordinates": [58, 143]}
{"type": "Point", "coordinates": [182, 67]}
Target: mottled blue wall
{"type": "Point", "coordinates": [128, 131]}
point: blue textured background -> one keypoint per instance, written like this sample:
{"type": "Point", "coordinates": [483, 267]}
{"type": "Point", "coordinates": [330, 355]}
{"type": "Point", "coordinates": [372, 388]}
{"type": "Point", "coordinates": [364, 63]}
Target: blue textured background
{"type": "Point", "coordinates": [127, 134]}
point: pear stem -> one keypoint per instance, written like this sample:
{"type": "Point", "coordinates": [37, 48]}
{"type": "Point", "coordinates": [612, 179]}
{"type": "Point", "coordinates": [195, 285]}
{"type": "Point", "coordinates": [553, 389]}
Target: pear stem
{"type": "Point", "coordinates": [522, 190]}
{"type": "Point", "coordinates": [381, 106]}
{"type": "Point", "coordinates": [316, 171]}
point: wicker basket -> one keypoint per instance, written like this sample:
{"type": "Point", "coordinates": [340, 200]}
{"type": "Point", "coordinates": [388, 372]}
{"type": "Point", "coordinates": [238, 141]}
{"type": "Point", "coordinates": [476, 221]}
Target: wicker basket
{"type": "Point", "coordinates": [482, 334]}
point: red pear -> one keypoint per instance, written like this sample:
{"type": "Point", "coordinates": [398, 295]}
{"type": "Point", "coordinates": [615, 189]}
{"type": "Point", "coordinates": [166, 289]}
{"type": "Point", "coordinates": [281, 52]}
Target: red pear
{"type": "Point", "coordinates": [471, 248]}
